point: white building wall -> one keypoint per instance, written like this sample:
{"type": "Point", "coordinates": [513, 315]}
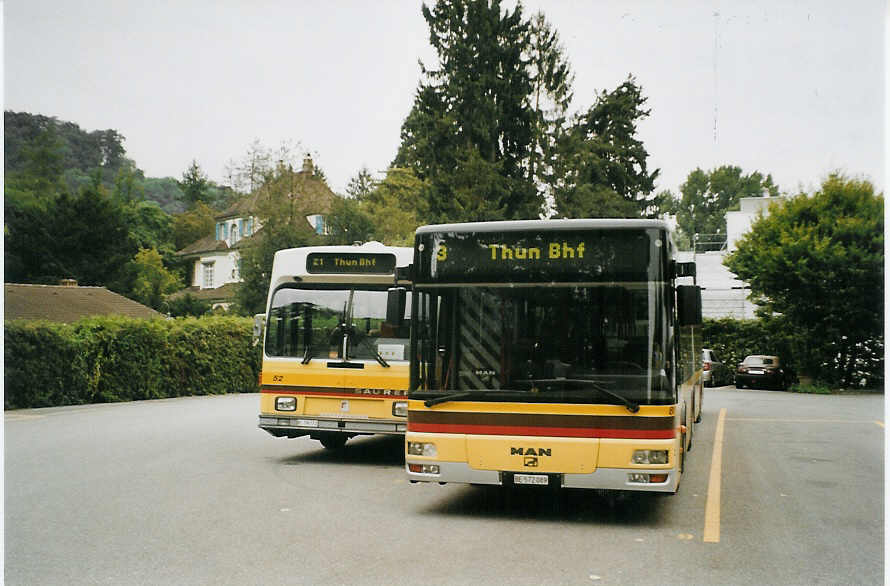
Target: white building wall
{"type": "Point", "coordinates": [738, 223]}
{"type": "Point", "coordinates": [224, 269]}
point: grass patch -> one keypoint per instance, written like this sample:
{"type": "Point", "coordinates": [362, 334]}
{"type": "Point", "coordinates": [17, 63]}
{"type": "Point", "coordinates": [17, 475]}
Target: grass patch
{"type": "Point", "coordinates": [813, 388]}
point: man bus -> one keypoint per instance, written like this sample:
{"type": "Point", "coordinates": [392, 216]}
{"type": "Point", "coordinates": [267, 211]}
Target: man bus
{"type": "Point", "coordinates": [555, 352]}
{"type": "Point", "coordinates": [333, 367]}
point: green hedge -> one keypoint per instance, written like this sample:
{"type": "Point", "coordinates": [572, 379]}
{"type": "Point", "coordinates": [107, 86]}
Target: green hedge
{"type": "Point", "coordinates": [733, 339]}
{"type": "Point", "coordinates": [99, 360]}
{"type": "Point", "coordinates": [816, 358]}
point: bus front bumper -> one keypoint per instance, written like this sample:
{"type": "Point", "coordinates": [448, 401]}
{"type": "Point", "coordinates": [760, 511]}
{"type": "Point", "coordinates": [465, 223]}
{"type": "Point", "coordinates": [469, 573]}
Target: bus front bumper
{"type": "Point", "coordinates": [281, 426]}
{"type": "Point", "coordinates": [602, 478]}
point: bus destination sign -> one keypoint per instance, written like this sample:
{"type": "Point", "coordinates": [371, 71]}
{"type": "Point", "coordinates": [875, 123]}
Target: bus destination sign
{"type": "Point", "coordinates": [350, 262]}
{"type": "Point", "coordinates": [603, 255]}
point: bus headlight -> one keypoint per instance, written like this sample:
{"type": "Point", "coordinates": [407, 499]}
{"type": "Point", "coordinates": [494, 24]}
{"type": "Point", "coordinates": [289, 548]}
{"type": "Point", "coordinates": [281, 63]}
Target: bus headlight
{"type": "Point", "coordinates": [400, 409]}
{"type": "Point", "coordinates": [285, 403]}
{"type": "Point", "coordinates": [422, 449]}
{"type": "Point", "coordinates": [650, 457]}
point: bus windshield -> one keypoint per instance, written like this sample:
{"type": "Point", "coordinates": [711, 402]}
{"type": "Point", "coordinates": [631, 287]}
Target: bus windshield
{"type": "Point", "coordinates": [345, 323]}
{"type": "Point", "coordinates": [553, 343]}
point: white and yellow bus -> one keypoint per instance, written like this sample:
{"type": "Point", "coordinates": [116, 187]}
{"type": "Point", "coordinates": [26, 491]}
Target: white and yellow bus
{"type": "Point", "coordinates": [561, 352]}
{"type": "Point", "coordinates": [335, 365]}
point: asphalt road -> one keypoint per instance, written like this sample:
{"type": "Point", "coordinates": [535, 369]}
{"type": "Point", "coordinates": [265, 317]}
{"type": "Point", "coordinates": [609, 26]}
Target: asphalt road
{"type": "Point", "coordinates": [189, 491]}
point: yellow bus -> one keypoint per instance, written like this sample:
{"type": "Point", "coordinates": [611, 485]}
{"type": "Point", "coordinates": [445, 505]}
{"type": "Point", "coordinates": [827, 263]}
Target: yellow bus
{"type": "Point", "coordinates": [333, 366]}
{"type": "Point", "coordinates": [562, 353]}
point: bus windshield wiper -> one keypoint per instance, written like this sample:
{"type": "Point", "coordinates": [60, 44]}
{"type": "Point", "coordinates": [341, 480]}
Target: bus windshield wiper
{"type": "Point", "coordinates": [484, 394]}
{"type": "Point", "coordinates": [307, 356]}
{"type": "Point", "coordinates": [377, 356]}
{"type": "Point", "coordinates": [631, 406]}
{"type": "Point", "coordinates": [447, 398]}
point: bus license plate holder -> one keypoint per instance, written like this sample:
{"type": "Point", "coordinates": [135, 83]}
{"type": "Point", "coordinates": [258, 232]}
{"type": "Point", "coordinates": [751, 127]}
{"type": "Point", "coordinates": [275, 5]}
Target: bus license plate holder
{"type": "Point", "coordinates": [531, 479]}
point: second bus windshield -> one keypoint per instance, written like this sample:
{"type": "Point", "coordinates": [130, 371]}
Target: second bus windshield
{"type": "Point", "coordinates": [312, 323]}
{"type": "Point", "coordinates": [548, 340]}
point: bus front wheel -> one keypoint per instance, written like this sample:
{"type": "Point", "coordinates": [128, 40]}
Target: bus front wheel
{"type": "Point", "coordinates": [334, 441]}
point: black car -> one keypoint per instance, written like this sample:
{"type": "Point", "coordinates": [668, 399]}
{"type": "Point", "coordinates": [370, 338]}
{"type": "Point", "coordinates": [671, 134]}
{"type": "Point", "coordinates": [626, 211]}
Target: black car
{"type": "Point", "coordinates": [759, 371]}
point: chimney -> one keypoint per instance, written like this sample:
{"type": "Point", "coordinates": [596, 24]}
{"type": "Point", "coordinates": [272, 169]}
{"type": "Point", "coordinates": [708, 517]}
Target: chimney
{"type": "Point", "coordinates": [68, 282]}
{"type": "Point", "coordinates": [307, 165]}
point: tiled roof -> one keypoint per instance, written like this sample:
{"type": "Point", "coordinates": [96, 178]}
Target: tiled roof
{"type": "Point", "coordinates": [226, 293]}
{"type": "Point", "coordinates": [207, 244]}
{"type": "Point", "coordinates": [68, 304]}
{"type": "Point", "coordinates": [242, 208]}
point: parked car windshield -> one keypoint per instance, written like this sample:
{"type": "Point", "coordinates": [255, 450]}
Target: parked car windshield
{"type": "Point", "coordinates": [761, 361]}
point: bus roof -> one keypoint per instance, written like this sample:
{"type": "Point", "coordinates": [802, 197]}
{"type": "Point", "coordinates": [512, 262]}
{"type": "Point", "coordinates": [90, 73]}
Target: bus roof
{"type": "Point", "coordinates": [545, 225]}
{"type": "Point", "coordinates": [292, 262]}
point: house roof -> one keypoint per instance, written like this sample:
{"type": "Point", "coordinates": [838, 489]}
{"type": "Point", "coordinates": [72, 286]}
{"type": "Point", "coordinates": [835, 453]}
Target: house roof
{"type": "Point", "coordinates": [68, 303]}
{"type": "Point", "coordinates": [223, 294]}
{"type": "Point", "coordinates": [207, 244]}
{"type": "Point", "coordinates": [241, 208]}
{"type": "Point", "coordinates": [313, 196]}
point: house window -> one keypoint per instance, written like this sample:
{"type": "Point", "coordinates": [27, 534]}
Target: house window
{"type": "Point", "coordinates": [208, 275]}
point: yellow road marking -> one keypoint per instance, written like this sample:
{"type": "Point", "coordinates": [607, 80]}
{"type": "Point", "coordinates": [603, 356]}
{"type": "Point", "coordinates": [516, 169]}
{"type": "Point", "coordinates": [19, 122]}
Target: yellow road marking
{"type": "Point", "coordinates": [712, 506]}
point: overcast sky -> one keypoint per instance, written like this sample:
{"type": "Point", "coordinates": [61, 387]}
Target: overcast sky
{"type": "Point", "coordinates": [795, 89]}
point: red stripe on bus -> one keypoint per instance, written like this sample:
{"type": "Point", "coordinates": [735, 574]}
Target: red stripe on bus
{"type": "Point", "coordinates": [543, 431]}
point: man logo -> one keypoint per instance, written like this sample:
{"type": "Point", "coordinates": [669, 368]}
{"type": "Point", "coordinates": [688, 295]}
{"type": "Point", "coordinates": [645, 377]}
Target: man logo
{"type": "Point", "coordinates": [530, 451]}
{"type": "Point", "coordinates": [530, 462]}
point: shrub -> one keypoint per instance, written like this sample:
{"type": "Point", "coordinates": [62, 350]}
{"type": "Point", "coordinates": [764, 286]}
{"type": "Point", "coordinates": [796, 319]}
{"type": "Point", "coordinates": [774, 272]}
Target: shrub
{"type": "Point", "coordinates": [120, 359]}
{"type": "Point", "coordinates": [811, 388]}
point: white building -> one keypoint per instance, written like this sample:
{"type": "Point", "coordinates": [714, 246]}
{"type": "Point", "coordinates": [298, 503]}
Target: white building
{"type": "Point", "coordinates": [723, 295]}
{"type": "Point", "coordinates": [216, 258]}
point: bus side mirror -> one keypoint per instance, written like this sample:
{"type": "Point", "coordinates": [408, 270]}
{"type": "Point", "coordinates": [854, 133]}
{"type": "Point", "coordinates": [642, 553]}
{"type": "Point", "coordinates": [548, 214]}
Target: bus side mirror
{"type": "Point", "coordinates": [685, 269]}
{"type": "Point", "coordinates": [689, 305]}
{"type": "Point", "coordinates": [395, 306]}
{"type": "Point", "coordinates": [259, 327]}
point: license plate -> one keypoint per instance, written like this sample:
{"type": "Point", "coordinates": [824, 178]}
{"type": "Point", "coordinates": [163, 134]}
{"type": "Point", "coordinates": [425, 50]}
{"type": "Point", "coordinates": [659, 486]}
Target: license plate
{"type": "Point", "coordinates": [538, 479]}
{"type": "Point", "coordinates": [307, 422]}
{"type": "Point", "coordinates": [755, 372]}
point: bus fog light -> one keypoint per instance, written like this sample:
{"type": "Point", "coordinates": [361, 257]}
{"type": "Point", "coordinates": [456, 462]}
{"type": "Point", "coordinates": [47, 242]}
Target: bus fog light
{"type": "Point", "coordinates": [650, 457]}
{"type": "Point", "coordinates": [423, 468]}
{"type": "Point", "coordinates": [422, 449]}
{"type": "Point", "coordinates": [400, 409]}
{"type": "Point", "coordinates": [638, 477]}
{"type": "Point", "coordinates": [285, 403]}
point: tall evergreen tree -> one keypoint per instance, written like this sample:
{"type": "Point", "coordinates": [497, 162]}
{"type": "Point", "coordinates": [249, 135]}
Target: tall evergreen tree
{"type": "Point", "coordinates": [471, 117]}
{"type": "Point", "coordinates": [551, 96]}
{"type": "Point", "coordinates": [602, 164]}
{"type": "Point", "coordinates": [194, 184]}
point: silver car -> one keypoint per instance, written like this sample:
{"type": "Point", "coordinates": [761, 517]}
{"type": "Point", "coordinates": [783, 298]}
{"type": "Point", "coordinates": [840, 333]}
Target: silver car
{"type": "Point", "coordinates": [714, 372]}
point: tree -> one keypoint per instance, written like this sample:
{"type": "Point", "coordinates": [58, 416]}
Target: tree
{"type": "Point", "coordinates": [705, 197]}
{"type": "Point", "coordinates": [349, 222]}
{"type": "Point", "coordinates": [552, 79]}
{"type": "Point", "coordinates": [187, 305]}
{"type": "Point", "coordinates": [193, 225]}
{"type": "Point", "coordinates": [601, 169]}
{"type": "Point", "coordinates": [361, 185]}
{"type": "Point", "coordinates": [397, 206]}
{"type": "Point", "coordinates": [817, 262]}
{"type": "Point", "coordinates": [151, 281]}
{"type": "Point", "coordinates": [194, 184]}
{"type": "Point", "coordinates": [282, 204]}
{"type": "Point", "coordinates": [471, 114]}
